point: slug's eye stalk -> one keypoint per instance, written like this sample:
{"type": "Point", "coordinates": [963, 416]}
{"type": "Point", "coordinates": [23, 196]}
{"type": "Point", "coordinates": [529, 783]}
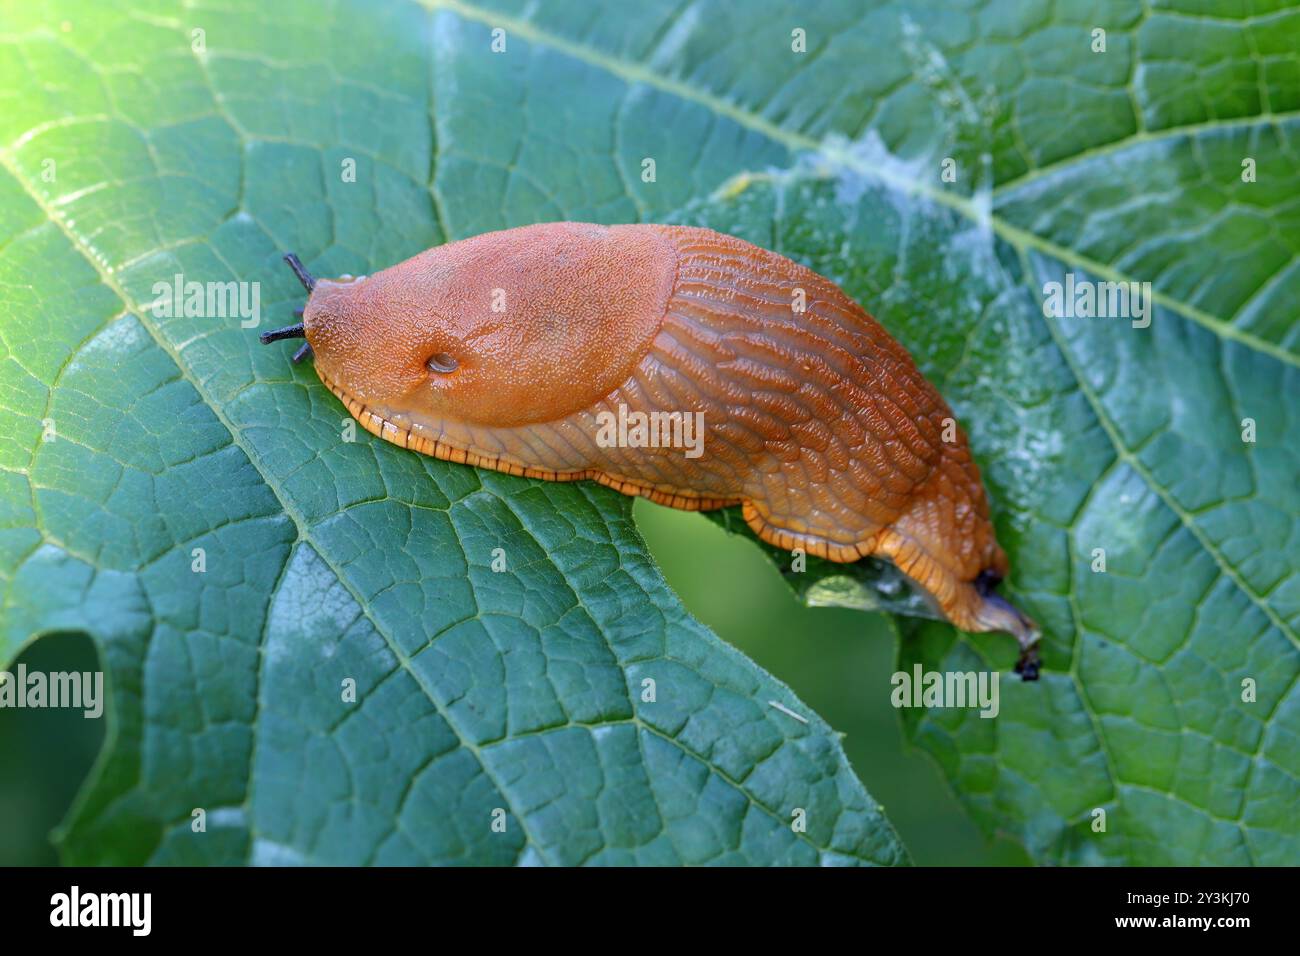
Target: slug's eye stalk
{"type": "Point", "coordinates": [298, 331]}
{"type": "Point", "coordinates": [306, 278]}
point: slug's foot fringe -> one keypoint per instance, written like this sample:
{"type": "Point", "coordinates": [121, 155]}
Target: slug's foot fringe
{"type": "Point", "coordinates": [779, 537]}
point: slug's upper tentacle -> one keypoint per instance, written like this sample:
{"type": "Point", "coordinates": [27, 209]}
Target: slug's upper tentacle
{"type": "Point", "coordinates": [288, 332]}
{"type": "Point", "coordinates": [306, 278]}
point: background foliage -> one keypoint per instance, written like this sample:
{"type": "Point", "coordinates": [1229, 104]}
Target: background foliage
{"type": "Point", "coordinates": [329, 559]}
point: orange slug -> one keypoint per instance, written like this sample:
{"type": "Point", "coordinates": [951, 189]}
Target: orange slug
{"type": "Point", "coordinates": [680, 364]}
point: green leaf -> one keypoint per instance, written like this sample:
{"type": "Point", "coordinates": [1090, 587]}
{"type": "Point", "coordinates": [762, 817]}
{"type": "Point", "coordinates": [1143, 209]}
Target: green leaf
{"type": "Point", "coordinates": [1169, 699]}
{"type": "Point", "coordinates": [131, 440]}
{"type": "Point", "coordinates": [1116, 165]}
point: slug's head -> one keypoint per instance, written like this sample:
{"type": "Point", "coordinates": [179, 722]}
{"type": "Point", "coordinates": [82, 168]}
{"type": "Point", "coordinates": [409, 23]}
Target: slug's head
{"type": "Point", "coordinates": [502, 330]}
{"type": "Point", "coordinates": [355, 343]}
